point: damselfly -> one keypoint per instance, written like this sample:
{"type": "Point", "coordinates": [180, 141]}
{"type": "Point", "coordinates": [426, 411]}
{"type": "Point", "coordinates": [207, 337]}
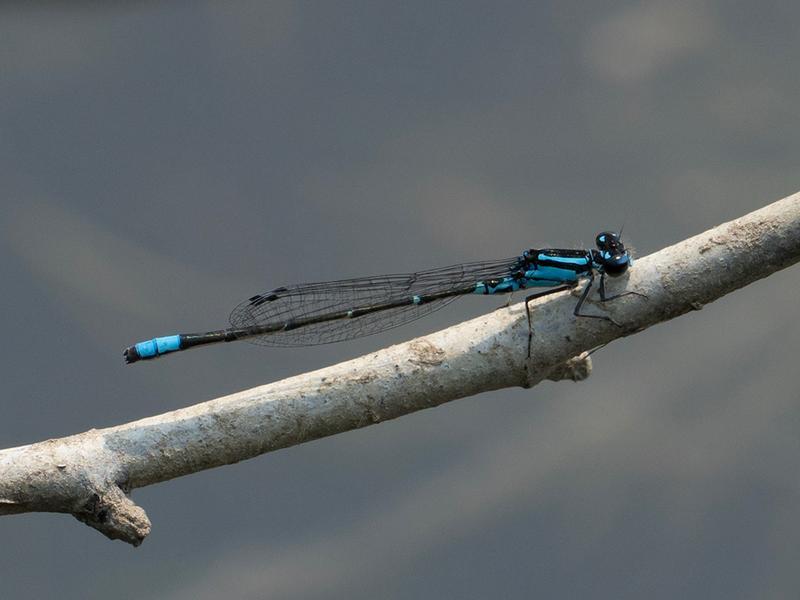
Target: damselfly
{"type": "Point", "coordinates": [321, 313]}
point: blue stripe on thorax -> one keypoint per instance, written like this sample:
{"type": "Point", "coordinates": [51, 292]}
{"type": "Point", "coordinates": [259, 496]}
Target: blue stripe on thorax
{"type": "Point", "coordinates": [540, 275]}
{"type": "Point", "coordinates": [581, 262]}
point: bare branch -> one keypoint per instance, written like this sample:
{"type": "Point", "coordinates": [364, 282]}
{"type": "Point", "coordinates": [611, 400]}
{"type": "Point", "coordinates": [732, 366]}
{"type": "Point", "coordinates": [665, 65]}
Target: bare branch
{"type": "Point", "coordinates": [89, 475]}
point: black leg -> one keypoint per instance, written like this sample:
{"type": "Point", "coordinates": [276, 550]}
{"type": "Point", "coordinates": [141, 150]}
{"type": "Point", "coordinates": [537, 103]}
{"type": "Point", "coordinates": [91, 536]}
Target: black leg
{"type": "Point", "coordinates": [555, 290]}
{"type": "Point", "coordinates": [577, 312]}
{"type": "Point", "coordinates": [507, 303]}
{"type": "Point", "coordinates": [602, 289]}
{"type": "Point", "coordinates": [584, 294]}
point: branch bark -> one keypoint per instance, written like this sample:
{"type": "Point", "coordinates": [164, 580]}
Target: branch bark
{"type": "Point", "coordinates": [90, 475]}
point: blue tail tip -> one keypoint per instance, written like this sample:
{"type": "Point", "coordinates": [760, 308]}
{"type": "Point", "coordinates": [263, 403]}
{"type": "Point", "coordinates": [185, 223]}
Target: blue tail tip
{"type": "Point", "coordinates": [152, 348]}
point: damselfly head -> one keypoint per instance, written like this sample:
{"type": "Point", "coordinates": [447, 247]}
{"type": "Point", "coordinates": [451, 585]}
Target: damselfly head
{"type": "Point", "coordinates": [611, 254]}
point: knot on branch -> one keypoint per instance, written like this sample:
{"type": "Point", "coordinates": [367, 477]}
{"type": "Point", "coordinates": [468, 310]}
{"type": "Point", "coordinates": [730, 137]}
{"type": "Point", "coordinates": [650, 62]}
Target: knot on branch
{"type": "Point", "coordinates": [114, 515]}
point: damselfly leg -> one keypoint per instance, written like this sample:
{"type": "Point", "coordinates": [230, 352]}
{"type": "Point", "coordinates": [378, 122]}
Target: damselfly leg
{"type": "Point", "coordinates": [602, 291]}
{"type": "Point", "coordinates": [554, 290]}
{"type": "Point", "coordinates": [603, 298]}
{"type": "Point", "coordinates": [577, 312]}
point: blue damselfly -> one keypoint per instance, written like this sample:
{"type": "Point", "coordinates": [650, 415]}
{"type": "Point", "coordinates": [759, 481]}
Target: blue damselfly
{"type": "Point", "coordinates": [321, 313]}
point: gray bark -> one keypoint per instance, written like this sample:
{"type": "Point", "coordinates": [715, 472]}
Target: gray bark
{"type": "Point", "coordinates": [90, 475]}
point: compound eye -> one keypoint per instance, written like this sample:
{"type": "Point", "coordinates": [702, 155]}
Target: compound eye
{"type": "Point", "coordinates": [607, 240]}
{"type": "Point", "coordinates": [615, 264]}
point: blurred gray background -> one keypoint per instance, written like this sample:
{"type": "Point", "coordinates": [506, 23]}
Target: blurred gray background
{"type": "Point", "coordinates": [160, 162]}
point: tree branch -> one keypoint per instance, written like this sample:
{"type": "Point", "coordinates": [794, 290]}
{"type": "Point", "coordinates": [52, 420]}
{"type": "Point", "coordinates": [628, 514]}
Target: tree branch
{"type": "Point", "coordinates": [90, 474]}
